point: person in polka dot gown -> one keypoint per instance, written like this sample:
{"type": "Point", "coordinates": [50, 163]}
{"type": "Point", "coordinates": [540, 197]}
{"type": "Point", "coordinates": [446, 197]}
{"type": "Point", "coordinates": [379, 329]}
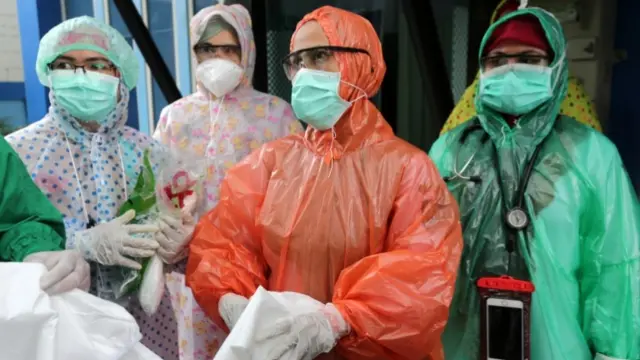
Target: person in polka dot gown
{"type": "Point", "coordinates": [224, 121]}
{"type": "Point", "coordinates": [86, 161]}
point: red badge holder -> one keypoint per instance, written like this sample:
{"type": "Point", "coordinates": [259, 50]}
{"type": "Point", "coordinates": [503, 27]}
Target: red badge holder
{"type": "Point", "coordinates": [503, 291]}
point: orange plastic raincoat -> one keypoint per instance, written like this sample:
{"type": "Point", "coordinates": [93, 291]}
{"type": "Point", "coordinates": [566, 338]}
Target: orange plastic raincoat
{"type": "Point", "coordinates": [362, 220]}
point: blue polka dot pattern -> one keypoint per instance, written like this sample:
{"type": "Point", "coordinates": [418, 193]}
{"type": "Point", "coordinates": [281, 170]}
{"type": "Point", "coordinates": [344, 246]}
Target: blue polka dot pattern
{"type": "Point", "coordinates": [100, 159]}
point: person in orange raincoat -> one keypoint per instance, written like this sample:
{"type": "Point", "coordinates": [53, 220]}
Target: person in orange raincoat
{"type": "Point", "coordinates": [347, 214]}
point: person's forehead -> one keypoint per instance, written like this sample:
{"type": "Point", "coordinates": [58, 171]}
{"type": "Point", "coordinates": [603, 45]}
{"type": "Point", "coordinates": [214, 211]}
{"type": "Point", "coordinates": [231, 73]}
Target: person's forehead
{"type": "Point", "coordinates": [83, 55]}
{"type": "Point", "coordinates": [516, 48]}
{"type": "Point", "coordinates": [309, 35]}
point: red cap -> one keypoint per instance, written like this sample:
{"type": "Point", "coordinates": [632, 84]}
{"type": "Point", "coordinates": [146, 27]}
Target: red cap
{"type": "Point", "coordinates": [524, 30]}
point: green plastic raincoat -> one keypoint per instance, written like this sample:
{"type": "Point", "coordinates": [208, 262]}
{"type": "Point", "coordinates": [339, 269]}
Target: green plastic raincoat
{"type": "Point", "coordinates": [28, 222]}
{"type": "Point", "coordinates": [582, 248]}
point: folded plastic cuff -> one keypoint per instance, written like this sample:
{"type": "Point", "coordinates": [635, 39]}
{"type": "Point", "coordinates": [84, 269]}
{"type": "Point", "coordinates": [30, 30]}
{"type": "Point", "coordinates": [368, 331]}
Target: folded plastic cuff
{"type": "Point", "coordinates": [605, 357]}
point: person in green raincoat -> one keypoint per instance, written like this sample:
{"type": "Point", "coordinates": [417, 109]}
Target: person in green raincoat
{"type": "Point", "coordinates": [581, 247]}
{"type": "Point", "coordinates": [31, 229]}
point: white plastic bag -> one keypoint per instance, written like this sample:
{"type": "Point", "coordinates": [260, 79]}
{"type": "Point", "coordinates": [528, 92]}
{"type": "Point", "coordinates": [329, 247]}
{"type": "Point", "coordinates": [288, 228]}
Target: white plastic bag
{"type": "Point", "coordinates": [263, 311]}
{"type": "Point", "coordinates": [70, 326]}
{"type": "Point", "coordinates": [152, 287]}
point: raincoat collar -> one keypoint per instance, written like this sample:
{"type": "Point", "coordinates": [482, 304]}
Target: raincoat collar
{"type": "Point", "coordinates": [360, 126]}
{"type": "Point", "coordinates": [533, 127]}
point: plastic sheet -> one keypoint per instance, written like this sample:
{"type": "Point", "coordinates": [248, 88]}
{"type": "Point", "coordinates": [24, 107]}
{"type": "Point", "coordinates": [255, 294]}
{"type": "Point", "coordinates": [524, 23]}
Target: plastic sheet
{"type": "Point", "coordinates": [74, 325]}
{"type": "Point", "coordinates": [263, 311]}
{"type": "Point", "coordinates": [176, 181]}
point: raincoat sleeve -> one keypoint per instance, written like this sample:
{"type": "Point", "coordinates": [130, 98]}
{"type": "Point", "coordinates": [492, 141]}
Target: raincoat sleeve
{"type": "Point", "coordinates": [29, 223]}
{"type": "Point", "coordinates": [225, 251]}
{"type": "Point", "coordinates": [611, 270]}
{"type": "Point", "coordinates": [397, 301]}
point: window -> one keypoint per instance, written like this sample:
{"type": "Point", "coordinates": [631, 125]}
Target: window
{"type": "Point", "coordinates": [160, 25]}
{"type": "Point", "coordinates": [75, 8]}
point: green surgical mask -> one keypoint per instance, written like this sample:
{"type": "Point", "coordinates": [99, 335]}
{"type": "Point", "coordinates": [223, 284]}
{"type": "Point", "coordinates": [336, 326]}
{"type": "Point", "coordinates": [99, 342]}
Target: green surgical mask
{"type": "Point", "coordinates": [315, 98]}
{"type": "Point", "coordinates": [516, 89]}
{"type": "Point", "coordinates": [89, 96]}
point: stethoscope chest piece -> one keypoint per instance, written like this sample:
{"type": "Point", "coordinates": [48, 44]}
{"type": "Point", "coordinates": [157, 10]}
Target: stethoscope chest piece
{"type": "Point", "coordinates": [517, 218]}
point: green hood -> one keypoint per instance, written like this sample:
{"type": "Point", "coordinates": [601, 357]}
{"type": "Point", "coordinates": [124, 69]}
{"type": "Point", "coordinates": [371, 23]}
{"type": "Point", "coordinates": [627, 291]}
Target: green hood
{"type": "Point", "coordinates": [535, 125]}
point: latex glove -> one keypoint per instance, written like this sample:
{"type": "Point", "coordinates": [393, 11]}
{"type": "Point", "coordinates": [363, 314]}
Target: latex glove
{"type": "Point", "coordinates": [175, 234]}
{"type": "Point", "coordinates": [231, 307]}
{"type": "Point", "coordinates": [111, 243]}
{"type": "Point", "coordinates": [309, 335]}
{"type": "Point", "coordinates": [66, 270]}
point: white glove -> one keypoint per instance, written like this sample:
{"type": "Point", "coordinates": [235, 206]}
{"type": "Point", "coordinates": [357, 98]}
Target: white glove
{"type": "Point", "coordinates": [175, 234]}
{"type": "Point", "coordinates": [66, 270]}
{"type": "Point", "coordinates": [112, 242]}
{"type": "Point", "coordinates": [309, 335]}
{"type": "Point", "coordinates": [231, 307]}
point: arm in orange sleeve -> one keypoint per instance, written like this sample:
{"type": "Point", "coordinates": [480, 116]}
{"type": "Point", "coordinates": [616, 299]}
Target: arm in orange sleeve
{"type": "Point", "coordinates": [225, 251]}
{"type": "Point", "coordinates": [397, 301]}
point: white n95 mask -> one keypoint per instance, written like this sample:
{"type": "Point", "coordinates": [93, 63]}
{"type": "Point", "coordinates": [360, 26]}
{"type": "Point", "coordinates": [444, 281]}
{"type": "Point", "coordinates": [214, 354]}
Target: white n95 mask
{"type": "Point", "coordinates": [219, 76]}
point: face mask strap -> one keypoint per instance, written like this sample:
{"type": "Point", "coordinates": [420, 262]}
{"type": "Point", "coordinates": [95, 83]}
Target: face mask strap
{"type": "Point", "coordinates": [362, 92]}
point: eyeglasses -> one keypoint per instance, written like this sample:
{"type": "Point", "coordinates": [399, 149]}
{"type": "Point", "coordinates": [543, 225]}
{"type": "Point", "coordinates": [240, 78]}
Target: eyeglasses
{"type": "Point", "coordinates": [313, 58]}
{"type": "Point", "coordinates": [209, 51]}
{"type": "Point", "coordinates": [97, 65]}
{"type": "Point", "coordinates": [522, 58]}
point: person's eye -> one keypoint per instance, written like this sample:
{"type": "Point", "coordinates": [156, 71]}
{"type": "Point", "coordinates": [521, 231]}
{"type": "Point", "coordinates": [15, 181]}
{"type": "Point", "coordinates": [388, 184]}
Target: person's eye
{"type": "Point", "coordinates": [295, 61]}
{"type": "Point", "coordinates": [62, 66]}
{"type": "Point", "coordinates": [98, 66]}
{"type": "Point", "coordinates": [496, 61]}
{"type": "Point", "coordinates": [320, 55]}
{"type": "Point", "coordinates": [207, 49]}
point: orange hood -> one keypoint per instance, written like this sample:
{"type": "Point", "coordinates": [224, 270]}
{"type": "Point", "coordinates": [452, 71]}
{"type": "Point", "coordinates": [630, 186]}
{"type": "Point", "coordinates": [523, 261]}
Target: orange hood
{"type": "Point", "coordinates": [362, 124]}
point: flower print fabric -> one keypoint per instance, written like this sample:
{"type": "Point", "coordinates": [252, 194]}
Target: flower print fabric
{"type": "Point", "coordinates": [224, 130]}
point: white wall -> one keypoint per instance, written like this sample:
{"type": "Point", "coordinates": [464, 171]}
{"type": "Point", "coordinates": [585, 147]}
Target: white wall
{"type": "Point", "coordinates": [10, 50]}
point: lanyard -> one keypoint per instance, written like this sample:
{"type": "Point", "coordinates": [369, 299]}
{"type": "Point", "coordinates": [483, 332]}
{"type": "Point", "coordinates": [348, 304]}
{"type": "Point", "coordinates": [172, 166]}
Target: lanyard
{"type": "Point", "coordinates": [517, 217]}
{"type": "Point", "coordinates": [88, 219]}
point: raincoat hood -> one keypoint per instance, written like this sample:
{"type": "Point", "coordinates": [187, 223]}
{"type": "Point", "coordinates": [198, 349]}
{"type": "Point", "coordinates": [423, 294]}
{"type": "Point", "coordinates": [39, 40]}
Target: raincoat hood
{"type": "Point", "coordinates": [239, 18]}
{"type": "Point", "coordinates": [362, 123]}
{"type": "Point", "coordinates": [538, 123]}
{"type": "Point", "coordinates": [577, 104]}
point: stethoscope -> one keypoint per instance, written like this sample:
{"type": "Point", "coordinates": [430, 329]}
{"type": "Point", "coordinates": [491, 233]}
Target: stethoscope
{"type": "Point", "coordinates": [516, 218]}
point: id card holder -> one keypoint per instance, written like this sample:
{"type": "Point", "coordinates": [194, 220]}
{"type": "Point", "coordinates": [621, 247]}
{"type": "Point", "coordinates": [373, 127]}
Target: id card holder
{"type": "Point", "coordinates": [505, 307]}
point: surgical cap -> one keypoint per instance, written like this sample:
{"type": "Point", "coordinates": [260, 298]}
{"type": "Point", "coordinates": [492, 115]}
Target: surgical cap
{"type": "Point", "coordinates": [87, 33]}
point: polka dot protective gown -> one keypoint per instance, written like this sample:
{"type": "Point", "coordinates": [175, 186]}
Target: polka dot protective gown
{"type": "Point", "coordinates": [108, 163]}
